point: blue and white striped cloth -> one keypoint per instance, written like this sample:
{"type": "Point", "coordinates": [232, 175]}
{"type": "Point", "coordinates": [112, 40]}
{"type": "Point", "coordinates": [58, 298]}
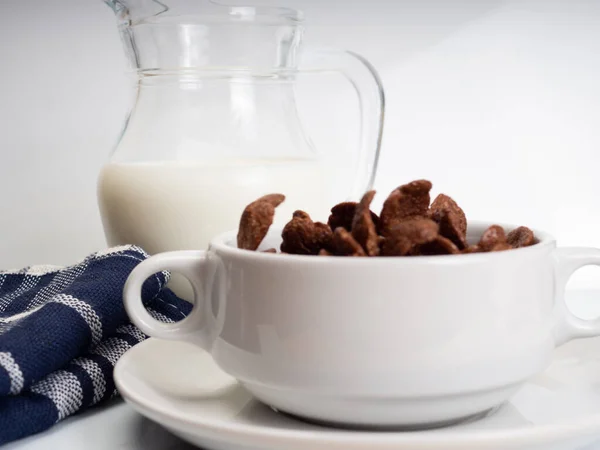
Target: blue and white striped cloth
{"type": "Point", "coordinates": [62, 329]}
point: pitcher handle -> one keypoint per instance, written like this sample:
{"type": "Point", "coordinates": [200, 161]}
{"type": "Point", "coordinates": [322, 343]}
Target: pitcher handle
{"type": "Point", "coordinates": [369, 89]}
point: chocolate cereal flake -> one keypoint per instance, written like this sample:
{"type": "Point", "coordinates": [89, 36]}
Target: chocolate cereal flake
{"type": "Point", "coordinates": [342, 215]}
{"type": "Point", "coordinates": [451, 218]}
{"type": "Point", "coordinates": [343, 244]}
{"type": "Point", "coordinates": [439, 246]}
{"type": "Point", "coordinates": [492, 239]}
{"type": "Point", "coordinates": [364, 230]}
{"type": "Point", "coordinates": [407, 201]}
{"type": "Point", "coordinates": [406, 236]}
{"type": "Point", "coordinates": [520, 237]}
{"type": "Point", "coordinates": [256, 220]}
{"type": "Point", "coordinates": [302, 236]}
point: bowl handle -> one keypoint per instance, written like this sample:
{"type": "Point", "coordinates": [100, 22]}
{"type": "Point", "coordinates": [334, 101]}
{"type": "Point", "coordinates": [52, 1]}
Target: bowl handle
{"type": "Point", "coordinates": [190, 264]}
{"type": "Point", "coordinates": [569, 326]}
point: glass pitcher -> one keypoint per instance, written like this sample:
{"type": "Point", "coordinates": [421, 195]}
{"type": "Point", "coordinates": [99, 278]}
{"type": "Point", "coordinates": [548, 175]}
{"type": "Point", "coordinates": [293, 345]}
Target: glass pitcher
{"type": "Point", "coordinates": [215, 124]}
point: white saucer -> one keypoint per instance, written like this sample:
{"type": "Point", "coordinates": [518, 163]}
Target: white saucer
{"type": "Point", "coordinates": [180, 387]}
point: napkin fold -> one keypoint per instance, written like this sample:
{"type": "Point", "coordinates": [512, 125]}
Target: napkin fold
{"type": "Point", "coordinates": [62, 329]}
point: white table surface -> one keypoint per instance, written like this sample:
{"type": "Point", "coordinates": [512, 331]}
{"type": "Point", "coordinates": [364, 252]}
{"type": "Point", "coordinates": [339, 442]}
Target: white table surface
{"type": "Point", "coordinates": [113, 427]}
{"type": "Point", "coordinates": [117, 426]}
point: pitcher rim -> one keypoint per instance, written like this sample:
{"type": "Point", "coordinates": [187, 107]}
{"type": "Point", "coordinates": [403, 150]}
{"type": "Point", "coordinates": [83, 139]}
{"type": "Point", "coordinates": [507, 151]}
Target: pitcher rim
{"type": "Point", "coordinates": [235, 14]}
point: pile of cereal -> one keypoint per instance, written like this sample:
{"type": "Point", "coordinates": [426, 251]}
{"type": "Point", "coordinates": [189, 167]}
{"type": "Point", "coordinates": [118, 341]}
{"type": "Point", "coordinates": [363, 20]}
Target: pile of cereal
{"type": "Point", "coordinates": [408, 225]}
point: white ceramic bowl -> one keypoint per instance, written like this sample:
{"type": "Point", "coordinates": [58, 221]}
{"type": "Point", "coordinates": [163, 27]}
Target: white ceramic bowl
{"type": "Point", "coordinates": [374, 342]}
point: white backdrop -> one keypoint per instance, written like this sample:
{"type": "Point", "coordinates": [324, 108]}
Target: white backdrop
{"type": "Point", "coordinates": [497, 102]}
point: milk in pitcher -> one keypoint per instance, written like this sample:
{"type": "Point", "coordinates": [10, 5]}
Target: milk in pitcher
{"type": "Point", "coordinates": [164, 206]}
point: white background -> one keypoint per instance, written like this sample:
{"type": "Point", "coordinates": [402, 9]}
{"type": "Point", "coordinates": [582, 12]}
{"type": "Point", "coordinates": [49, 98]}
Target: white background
{"type": "Point", "coordinates": [497, 102]}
